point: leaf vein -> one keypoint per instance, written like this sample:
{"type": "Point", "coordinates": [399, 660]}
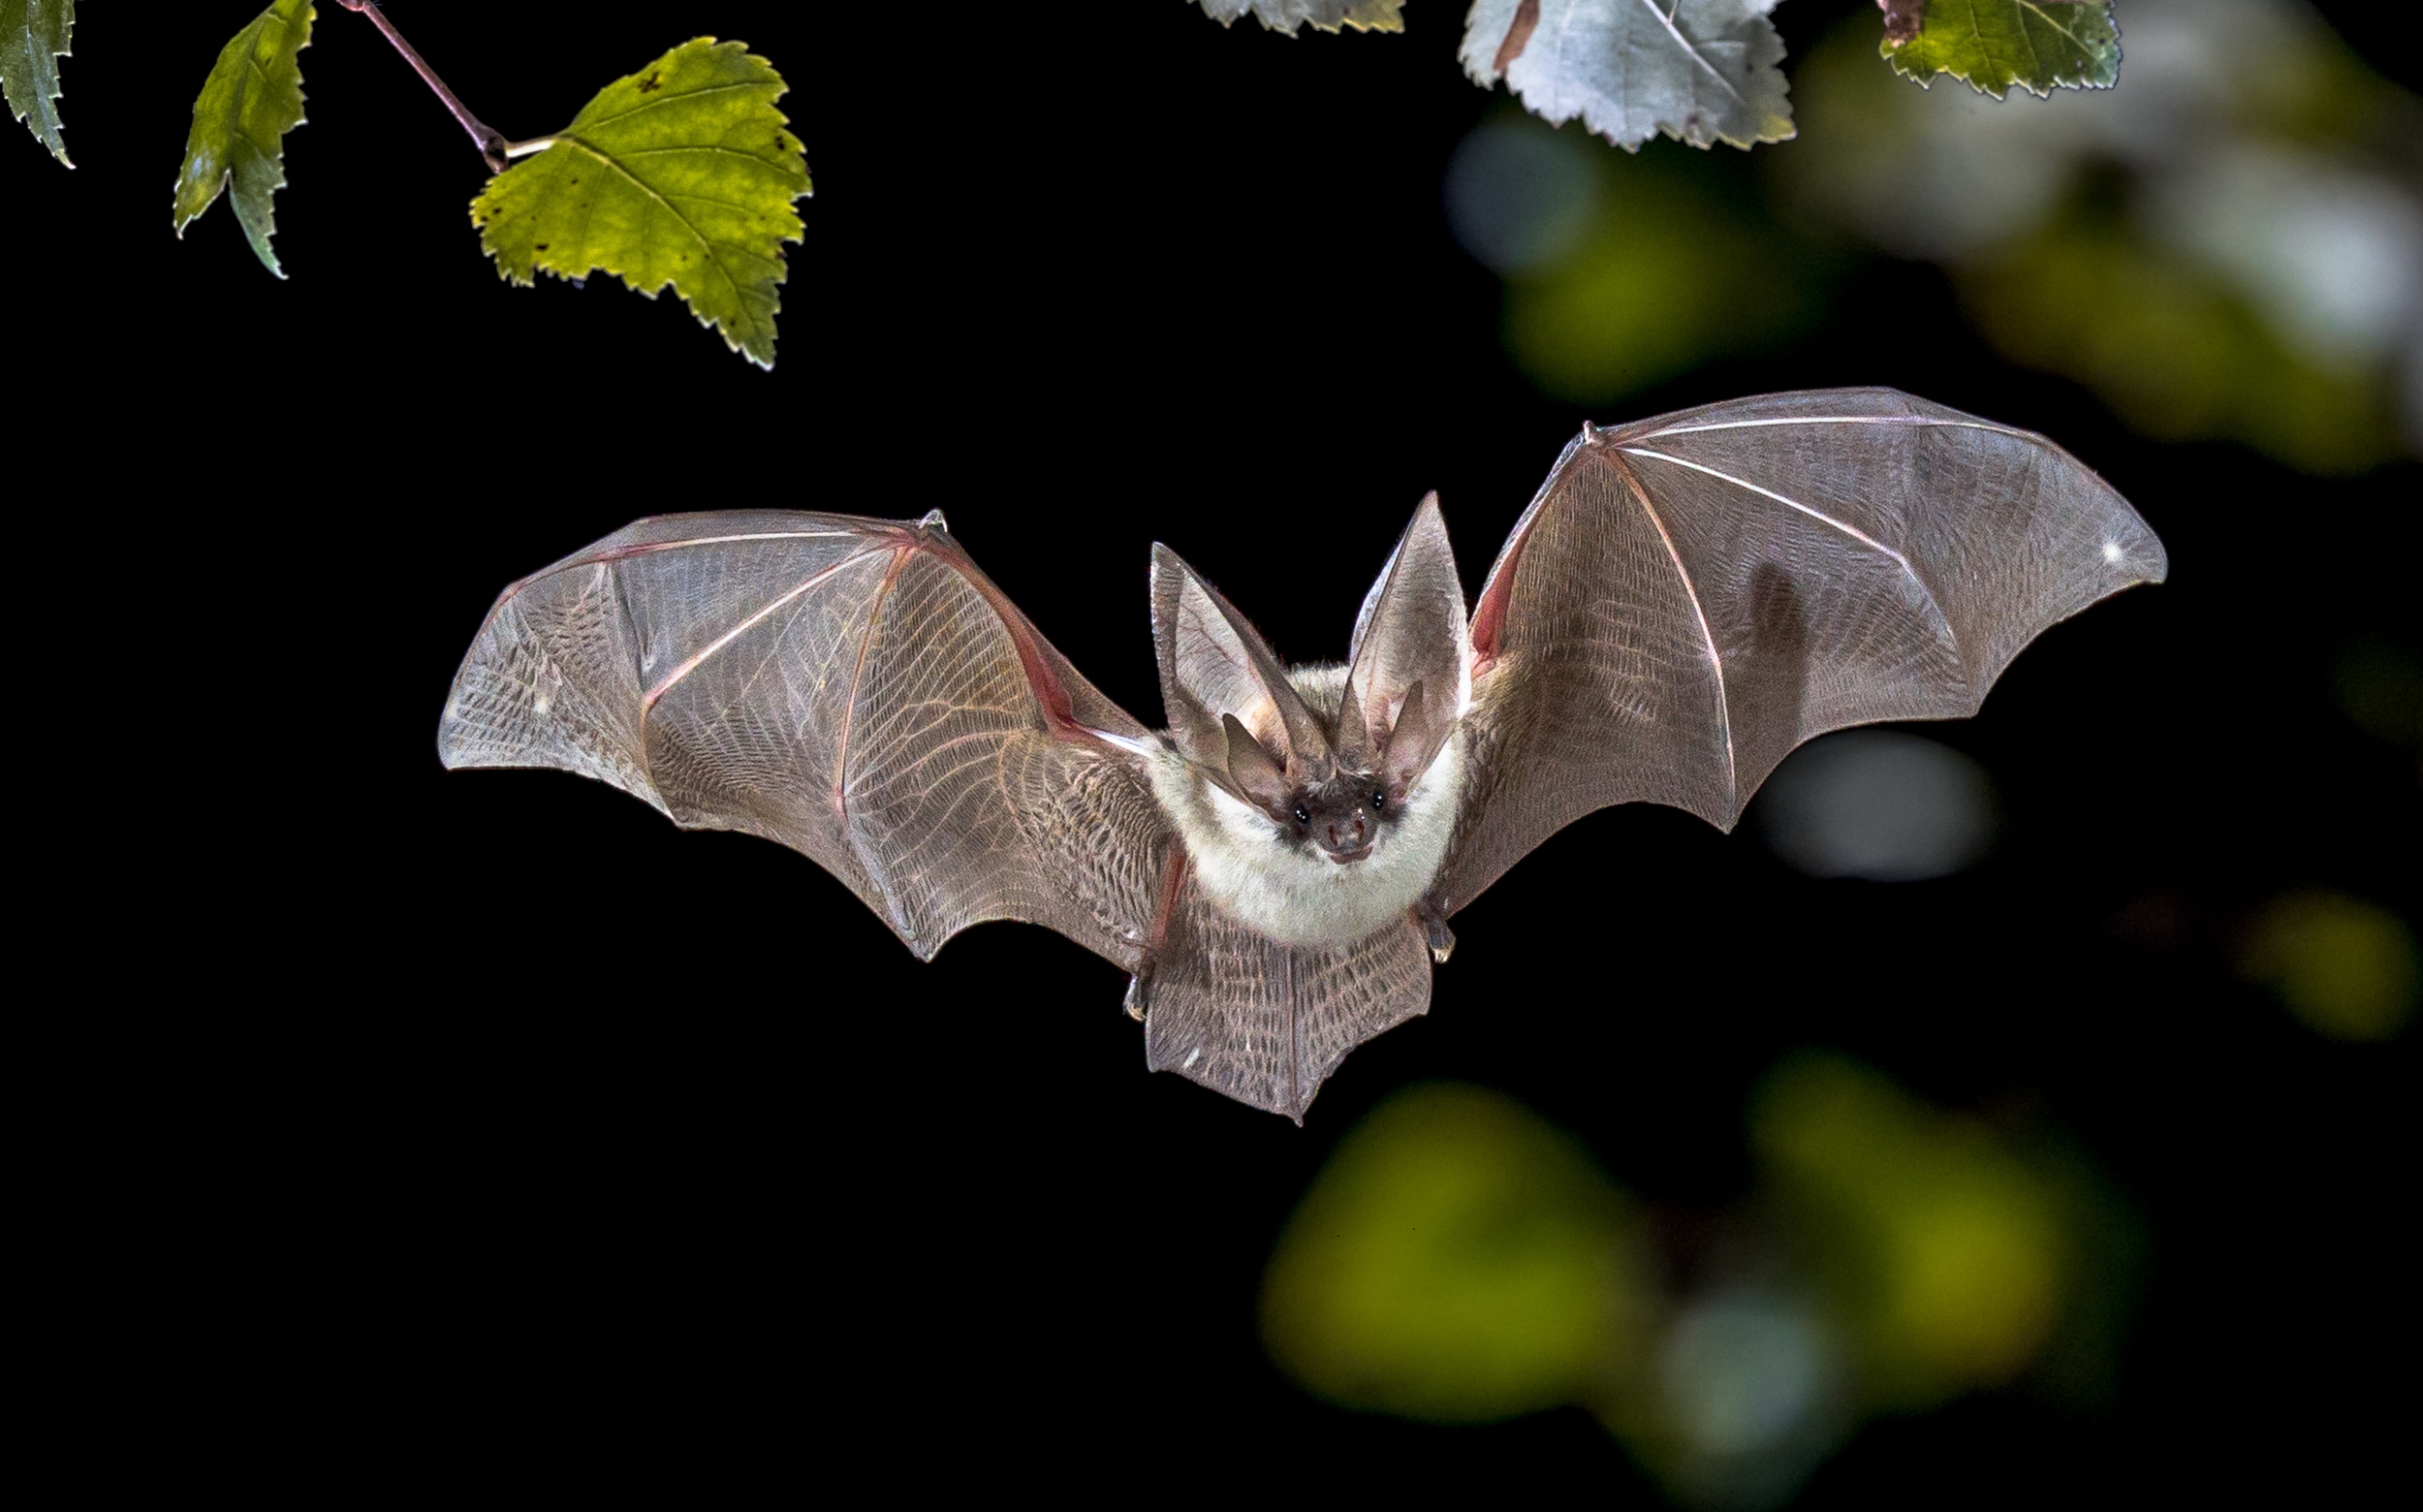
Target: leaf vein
{"type": "Point", "coordinates": [694, 94]}
{"type": "Point", "coordinates": [645, 188]}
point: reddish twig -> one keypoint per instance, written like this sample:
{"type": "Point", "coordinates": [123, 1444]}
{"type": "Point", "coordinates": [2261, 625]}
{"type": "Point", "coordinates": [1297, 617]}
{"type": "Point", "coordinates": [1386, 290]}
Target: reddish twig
{"type": "Point", "coordinates": [491, 142]}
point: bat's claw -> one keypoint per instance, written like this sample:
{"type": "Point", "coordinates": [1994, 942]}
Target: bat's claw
{"type": "Point", "coordinates": [1139, 991]}
{"type": "Point", "coordinates": [1442, 940]}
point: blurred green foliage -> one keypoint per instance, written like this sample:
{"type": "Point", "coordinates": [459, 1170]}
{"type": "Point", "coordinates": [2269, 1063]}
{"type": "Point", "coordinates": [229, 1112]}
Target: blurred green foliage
{"type": "Point", "coordinates": [1666, 271]}
{"type": "Point", "coordinates": [1946, 1251]}
{"type": "Point", "coordinates": [2172, 348]}
{"type": "Point", "coordinates": [2346, 969]}
{"type": "Point", "coordinates": [1458, 1260]}
{"type": "Point", "coordinates": [2230, 244]}
{"type": "Point", "coordinates": [1663, 280]}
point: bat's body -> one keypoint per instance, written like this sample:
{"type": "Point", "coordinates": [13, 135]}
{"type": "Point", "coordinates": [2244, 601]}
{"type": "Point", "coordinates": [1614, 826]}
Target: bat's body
{"type": "Point", "coordinates": [1299, 895]}
{"type": "Point", "coordinates": [1685, 600]}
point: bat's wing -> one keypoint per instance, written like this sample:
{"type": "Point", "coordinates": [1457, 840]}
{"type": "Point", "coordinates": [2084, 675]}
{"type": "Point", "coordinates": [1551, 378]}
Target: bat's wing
{"type": "Point", "coordinates": [1690, 597]}
{"type": "Point", "coordinates": [855, 689]}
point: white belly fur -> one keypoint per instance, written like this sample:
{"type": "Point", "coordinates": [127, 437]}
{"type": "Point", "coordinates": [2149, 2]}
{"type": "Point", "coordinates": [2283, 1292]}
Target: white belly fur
{"type": "Point", "coordinates": [1300, 897]}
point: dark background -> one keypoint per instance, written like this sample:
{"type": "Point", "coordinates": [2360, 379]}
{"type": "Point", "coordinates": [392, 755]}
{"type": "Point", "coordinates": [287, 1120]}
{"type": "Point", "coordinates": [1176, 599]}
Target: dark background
{"type": "Point", "coordinates": [433, 1130]}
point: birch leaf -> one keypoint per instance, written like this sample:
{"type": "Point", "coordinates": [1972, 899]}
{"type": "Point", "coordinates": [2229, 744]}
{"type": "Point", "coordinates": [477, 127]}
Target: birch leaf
{"type": "Point", "coordinates": [1699, 70]}
{"type": "Point", "coordinates": [682, 173]}
{"type": "Point", "coordinates": [2039, 45]}
{"type": "Point", "coordinates": [33, 37]}
{"type": "Point", "coordinates": [251, 100]}
{"type": "Point", "coordinates": [1285, 15]}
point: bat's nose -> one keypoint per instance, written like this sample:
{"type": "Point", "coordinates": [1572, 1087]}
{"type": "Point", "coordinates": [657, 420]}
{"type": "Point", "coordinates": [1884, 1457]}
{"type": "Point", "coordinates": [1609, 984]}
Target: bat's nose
{"type": "Point", "coordinates": [1346, 842]}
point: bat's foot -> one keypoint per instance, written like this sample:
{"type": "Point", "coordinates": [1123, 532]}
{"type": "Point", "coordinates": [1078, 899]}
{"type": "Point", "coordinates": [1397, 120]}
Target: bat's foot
{"type": "Point", "coordinates": [1139, 990]}
{"type": "Point", "coordinates": [1442, 940]}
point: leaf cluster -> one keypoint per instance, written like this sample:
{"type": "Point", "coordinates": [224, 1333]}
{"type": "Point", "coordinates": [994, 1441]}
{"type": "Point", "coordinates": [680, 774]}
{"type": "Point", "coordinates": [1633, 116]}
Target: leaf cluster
{"type": "Point", "coordinates": [1706, 71]}
{"type": "Point", "coordinates": [685, 176]}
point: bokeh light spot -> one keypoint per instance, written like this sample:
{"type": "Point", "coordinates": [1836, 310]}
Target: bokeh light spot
{"type": "Point", "coordinates": [1458, 1260]}
{"type": "Point", "coordinates": [1620, 270]}
{"type": "Point", "coordinates": [2345, 967]}
{"type": "Point", "coordinates": [1877, 804]}
{"type": "Point", "coordinates": [1950, 1250]}
{"type": "Point", "coordinates": [1745, 1371]}
{"type": "Point", "coordinates": [1518, 198]}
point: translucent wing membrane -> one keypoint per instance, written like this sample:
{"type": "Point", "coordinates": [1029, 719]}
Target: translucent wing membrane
{"type": "Point", "coordinates": [1265, 1022]}
{"type": "Point", "coordinates": [1690, 597]}
{"type": "Point", "coordinates": [854, 689]}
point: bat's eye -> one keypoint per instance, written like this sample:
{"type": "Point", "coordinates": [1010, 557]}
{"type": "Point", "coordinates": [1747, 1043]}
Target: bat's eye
{"type": "Point", "coordinates": [1379, 802]}
{"type": "Point", "coordinates": [1302, 814]}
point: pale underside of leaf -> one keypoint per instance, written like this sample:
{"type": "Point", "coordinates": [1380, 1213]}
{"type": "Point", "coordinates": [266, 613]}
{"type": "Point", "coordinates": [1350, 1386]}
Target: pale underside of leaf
{"type": "Point", "coordinates": [34, 35]}
{"type": "Point", "coordinates": [1329, 16]}
{"type": "Point", "coordinates": [252, 99]}
{"type": "Point", "coordinates": [1698, 71]}
{"type": "Point", "coordinates": [2038, 45]}
{"type": "Point", "coordinates": [682, 173]}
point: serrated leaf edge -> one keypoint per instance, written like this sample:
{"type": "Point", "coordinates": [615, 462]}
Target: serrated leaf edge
{"type": "Point", "coordinates": [258, 236]}
{"type": "Point", "coordinates": [1891, 51]}
{"type": "Point", "coordinates": [566, 139]}
{"type": "Point", "coordinates": [50, 133]}
{"type": "Point", "coordinates": [1488, 76]}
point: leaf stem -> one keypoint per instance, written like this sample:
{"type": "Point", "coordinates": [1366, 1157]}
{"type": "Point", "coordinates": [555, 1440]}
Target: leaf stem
{"type": "Point", "coordinates": [514, 149]}
{"type": "Point", "coordinates": [491, 142]}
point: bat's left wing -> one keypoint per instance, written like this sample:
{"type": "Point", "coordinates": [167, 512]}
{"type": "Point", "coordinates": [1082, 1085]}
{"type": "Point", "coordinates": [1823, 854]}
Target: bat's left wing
{"type": "Point", "coordinates": [1690, 597]}
{"type": "Point", "coordinates": [855, 689]}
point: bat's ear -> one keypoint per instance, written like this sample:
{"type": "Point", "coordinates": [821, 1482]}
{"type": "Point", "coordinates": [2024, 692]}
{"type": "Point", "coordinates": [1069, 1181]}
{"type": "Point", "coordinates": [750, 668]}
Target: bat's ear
{"type": "Point", "coordinates": [1214, 665]}
{"type": "Point", "coordinates": [1250, 768]}
{"type": "Point", "coordinates": [1412, 658]}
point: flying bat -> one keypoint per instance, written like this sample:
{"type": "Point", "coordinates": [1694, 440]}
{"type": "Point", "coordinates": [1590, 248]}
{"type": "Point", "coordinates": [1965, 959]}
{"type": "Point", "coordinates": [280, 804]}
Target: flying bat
{"type": "Point", "coordinates": [1685, 600]}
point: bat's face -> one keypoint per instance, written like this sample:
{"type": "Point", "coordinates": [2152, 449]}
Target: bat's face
{"type": "Point", "coordinates": [1339, 820]}
{"type": "Point", "coordinates": [1319, 848]}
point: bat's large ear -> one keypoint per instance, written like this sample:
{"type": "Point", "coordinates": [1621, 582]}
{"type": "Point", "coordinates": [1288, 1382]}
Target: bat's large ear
{"type": "Point", "coordinates": [1411, 677]}
{"type": "Point", "coordinates": [1213, 664]}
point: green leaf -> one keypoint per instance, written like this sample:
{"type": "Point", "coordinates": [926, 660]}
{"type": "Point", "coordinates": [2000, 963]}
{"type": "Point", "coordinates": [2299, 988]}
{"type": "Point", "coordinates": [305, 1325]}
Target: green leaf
{"type": "Point", "coordinates": [1285, 15]}
{"type": "Point", "coordinates": [682, 173]}
{"type": "Point", "coordinates": [1699, 70]}
{"type": "Point", "coordinates": [2039, 45]}
{"type": "Point", "coordinates": [251, 100]}
{"type": "Point", "coordinates": [33, 37]}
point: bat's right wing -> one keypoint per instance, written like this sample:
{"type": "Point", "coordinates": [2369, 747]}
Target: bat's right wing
{"type": "Point", "coordinates": [1690, 597]}
{"type": "Point", "coordinates": [855, 689]}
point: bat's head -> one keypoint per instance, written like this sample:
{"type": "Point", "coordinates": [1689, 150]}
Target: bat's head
{"type": "Point", "coordinates": [1332, 755]}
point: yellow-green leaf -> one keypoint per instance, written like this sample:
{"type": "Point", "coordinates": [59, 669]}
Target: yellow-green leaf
{"type": "Point", "coordinates": [682, 173]}
{"type": "Point", "coordinates": [251, 100]}
{"type": "Point", "coordinates": [33, 37]}
{"type": "Point", "coordinates": [2039, 45]}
